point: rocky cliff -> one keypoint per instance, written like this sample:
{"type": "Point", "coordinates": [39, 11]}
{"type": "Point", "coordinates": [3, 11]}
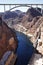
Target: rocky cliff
{"type": "Point", "coordinates": [8, 39]}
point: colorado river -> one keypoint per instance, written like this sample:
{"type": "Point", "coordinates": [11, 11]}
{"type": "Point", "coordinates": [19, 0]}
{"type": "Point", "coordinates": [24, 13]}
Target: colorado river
{"type": "Point", "coordinates": [25, 49]}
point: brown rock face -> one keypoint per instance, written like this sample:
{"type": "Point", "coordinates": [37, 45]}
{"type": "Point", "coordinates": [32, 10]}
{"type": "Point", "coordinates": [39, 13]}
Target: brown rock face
{"type": "Point", "coordinates": [6, 34]}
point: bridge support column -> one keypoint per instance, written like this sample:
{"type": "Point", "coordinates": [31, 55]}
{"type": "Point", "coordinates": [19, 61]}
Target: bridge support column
{"type": "Point", "coordinates": [9, 6]}
{"type": "Point", "coordinates": [36, 7]}
{"type": "Point", "coordinates": [42, 9]}
{"type": "Point", "coordinates": [31, 6]}
{"type": "Point", "coordinates": [4, 8]}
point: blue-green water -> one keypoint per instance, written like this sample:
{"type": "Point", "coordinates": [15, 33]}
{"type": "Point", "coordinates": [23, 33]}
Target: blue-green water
{"type": "Point", "coordinates": [25, 49]}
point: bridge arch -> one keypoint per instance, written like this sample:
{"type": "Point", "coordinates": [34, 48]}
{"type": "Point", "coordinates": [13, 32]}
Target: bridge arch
{"type": "Point", "coordinates": [21, 5]}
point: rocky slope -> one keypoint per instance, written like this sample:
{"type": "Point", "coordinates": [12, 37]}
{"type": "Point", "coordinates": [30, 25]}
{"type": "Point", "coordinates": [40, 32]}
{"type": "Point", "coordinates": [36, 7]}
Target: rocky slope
{"type": "Point", "coordinates": [36, 24]}
{"type": "Point", "coordinates": [36, 59]}
{"type": "Point", "coordinates": [28, 20]}
{"type": "Point", "coordinates": [8, 39]}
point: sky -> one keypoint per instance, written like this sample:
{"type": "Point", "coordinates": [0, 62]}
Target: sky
{"type": "Point", "coordinates": [18, 2]}
{"type": "Point", "coordinates": [21, 1]}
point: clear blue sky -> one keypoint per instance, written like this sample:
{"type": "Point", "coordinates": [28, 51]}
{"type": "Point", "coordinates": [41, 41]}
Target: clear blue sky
{"type": "Point", "coordinates": [19, 2]}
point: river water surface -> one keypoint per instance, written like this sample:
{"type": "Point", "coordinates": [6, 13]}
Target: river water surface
{"type": "Point", "coordinates": [25, 49]}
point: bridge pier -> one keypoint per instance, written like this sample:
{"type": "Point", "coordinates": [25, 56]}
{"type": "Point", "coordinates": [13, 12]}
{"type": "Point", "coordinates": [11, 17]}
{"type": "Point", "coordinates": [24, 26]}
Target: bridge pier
{"type": "Point", "coordinates": [9, 6]}
{"type": "Point", "coordinates": [4, 8]}
{"type": "Point", "coordinates": [31, 6]}
{"type": "Point", "coordinates": [42, 9]}
{"type": "Point", "coordinates": [36, 7]}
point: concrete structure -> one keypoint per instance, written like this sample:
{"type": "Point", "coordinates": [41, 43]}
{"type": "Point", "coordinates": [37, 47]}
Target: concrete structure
{"type": "Point", "coordinates": [22, 5]}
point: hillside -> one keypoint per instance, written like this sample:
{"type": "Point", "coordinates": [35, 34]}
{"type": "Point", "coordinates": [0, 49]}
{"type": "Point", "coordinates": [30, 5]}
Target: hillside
{"type": "Point", "coordinates": [7, 37]}
{"type": "Point", "coordinates": [28, 20]}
